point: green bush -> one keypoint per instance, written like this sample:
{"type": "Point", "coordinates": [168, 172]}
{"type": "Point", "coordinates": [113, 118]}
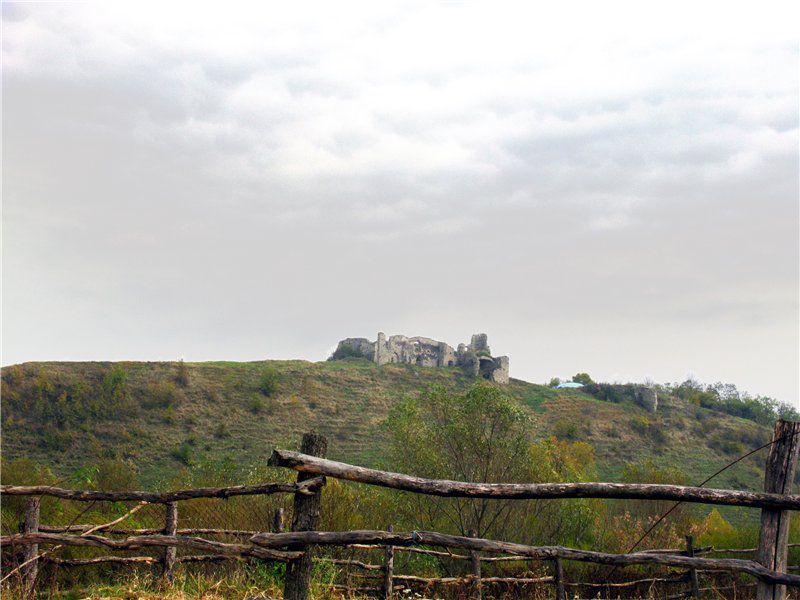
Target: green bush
{"type": "Point", "coordinates": [183, 454]}
{"type": "Point", "coordinates": [255, 404]}
{"type": "Point", "coordinates": [640, 425]}
{"type": "Point", "coordinates": [182, 376]}
{"type": "Point", "coordinates": [565, 430]}
{"type": "Point", "coordinates": [268, 383]}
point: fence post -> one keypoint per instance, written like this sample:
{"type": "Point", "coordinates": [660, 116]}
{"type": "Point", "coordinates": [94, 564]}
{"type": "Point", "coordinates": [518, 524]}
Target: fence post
{"type": "Point", "coordinates": [774, 535]}
{"type": "Point", "coordinates": [31, 525]}
{"type": "Point", "coordinates": [475, 559]}
{"type": "Point", "coordinates": [278, 520]}
{"type": "Point", "coordinates": [695, 591]}
{"type": "Point", "coordinates": [170, 528]}
{"type": "Point", "coordinates": [388, 568]}
{"type": "Point", "coordinates": [558, 578]}
{"type": "Point", "coordinates": [305, 518]}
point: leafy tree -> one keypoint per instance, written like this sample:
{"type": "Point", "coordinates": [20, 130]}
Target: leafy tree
{"type": "Point", "coordinates": [479, 436]}
{"type": "Point", "coordinates": [582, 378]}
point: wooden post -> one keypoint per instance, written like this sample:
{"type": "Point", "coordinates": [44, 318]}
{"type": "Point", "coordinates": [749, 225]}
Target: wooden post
{"type": "Point", "coordinates": [278, 520]}
{"type": "Point", "coordinates": [558, 579]}
{"type": "Point", "coordinates": [778, 479]}
{"type": "Point", "coordinates": [475, 560]}
{"type": "Point", "coordinates": [170, 528]}
{"type": "Point", "coordinates": [695, 591]}
{"type": "Point", "coordinates": [31, 525]}
{"type": "Point", "coordinates": [305, 518]}
{"type": "Point", "coordinates": [388, 568]}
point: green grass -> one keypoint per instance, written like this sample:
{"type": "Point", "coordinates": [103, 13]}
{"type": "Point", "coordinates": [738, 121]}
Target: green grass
{"type": "Point", "coordinates": [347, 401]}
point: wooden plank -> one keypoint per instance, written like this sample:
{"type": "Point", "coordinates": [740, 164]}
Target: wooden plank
{"type": "Point", "coordinates": [304, 519]}
{"type": "Point", "coordinates": [170, 528]}
{"type": "Point", "coordinates": [30, 553]}
{"type": "Point", "coordinates": [530, 491]}
{"type": "Point", "coordinates": [778, 479]}
{"type": "Point", "coordinates": [693, 582]}
{"type": "Point", "coordinates": [142, 541]}
{"type": "Point", "coordinates": [388, 568]}
{"type": "Point", "coordinates": [430, 538]}
{"type": "Point", "coordinates": [309, 486]}
{"type": "Point", "coordinates": [475, 564]}
{"type": "Point", "coordinates": [558, 578]}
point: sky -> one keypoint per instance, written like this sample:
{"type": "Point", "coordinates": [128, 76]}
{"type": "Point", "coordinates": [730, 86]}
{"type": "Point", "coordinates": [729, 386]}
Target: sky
{"type": "Point", "coordinates": [601, 187]}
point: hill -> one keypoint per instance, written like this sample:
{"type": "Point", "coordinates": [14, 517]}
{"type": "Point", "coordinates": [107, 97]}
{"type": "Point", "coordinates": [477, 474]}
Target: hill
{"type": "Point", "coordinates": [164, 416]}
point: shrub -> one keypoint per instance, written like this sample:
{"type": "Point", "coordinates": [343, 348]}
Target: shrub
{"type": "Point", "coordinates": [182, 376]}
{"type": "Point", "coordinates": [255, 404]}
{"type": "Point", "coordinates": [169, 416]}
{"type": "Point", "coordinates": [554, 382]}
{"type": "Point", "coordinates": [160, 395]}
{"type": "Point", "coordinates": [268, 383]}
{"type": "Point", "coordinates": [565, 430]}
{"type": "Point", "coordinates": [640, 425]}
{"type": "Point", "coordinates": [183, 454]}
{"type": "Point", "coordinates": [582, 378]}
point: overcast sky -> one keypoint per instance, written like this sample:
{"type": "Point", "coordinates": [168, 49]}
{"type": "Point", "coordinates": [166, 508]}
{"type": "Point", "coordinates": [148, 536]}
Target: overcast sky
{"type": "Point", "coordinates": [600, 187]}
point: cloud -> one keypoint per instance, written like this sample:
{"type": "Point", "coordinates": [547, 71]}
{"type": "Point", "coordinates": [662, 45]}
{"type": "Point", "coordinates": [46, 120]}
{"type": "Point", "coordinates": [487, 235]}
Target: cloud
{"type": "Point", "coordinates": [208, 182]}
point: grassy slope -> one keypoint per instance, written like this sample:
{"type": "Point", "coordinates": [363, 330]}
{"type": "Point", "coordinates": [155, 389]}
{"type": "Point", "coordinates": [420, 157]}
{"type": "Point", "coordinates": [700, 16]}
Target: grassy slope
{"type": "Point", "coordinates": [347, 401]}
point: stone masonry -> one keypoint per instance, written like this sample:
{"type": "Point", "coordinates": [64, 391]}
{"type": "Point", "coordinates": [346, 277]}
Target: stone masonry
{"type": "Point", "coordinates": [475, 357]}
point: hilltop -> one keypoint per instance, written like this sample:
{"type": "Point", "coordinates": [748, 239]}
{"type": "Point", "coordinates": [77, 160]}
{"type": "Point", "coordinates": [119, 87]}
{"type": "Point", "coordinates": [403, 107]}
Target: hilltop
{"type": "Point", "coordinates": [163, 416]}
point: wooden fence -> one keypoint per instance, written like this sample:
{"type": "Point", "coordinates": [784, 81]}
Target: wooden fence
{"type": "Point", "coordinates": [296, 547]}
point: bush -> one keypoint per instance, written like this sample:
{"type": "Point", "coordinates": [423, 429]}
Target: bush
{"type": "Point", "coordinates": [565, 430]}
{"type": "Point", "coordinates": [268, 383]}
{"type": "Point", "coordinates": [160, 395]}
{"type": "Point", "coordinates": [255, 404]}
{"type": "Point", "coordinates": [182, 376]}
{"type": "Point", "coordinates": [183, 454]}
{"type": "Point", "coordinates": [221, 431]}
{"type": "Point", "coordinates": [640, 425]}
{"type": "Point", "coordinates": [582, 378]}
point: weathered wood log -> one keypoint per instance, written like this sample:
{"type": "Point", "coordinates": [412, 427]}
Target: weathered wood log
{"type": "Point", "coordinates": [150, 530]}
{"type": "Point", "coordinates": [388, 568]}
{"type": "Point", "coordinates": [350, 562]}
{"type": "Point", "coordinates": [622, 584]}
{"type": "Point", "coordinates": [170, 528]}
{"type": "Point", "coordinates": [774, 534]}
{"type": "Point", "coordinates": [558, 578]}
{"type": "Point", "coordinates": [693, 582]}
{"type": "Point", "coordinates": [279, 520]}
{"type": "Point", "coordinates": [530, 491]}
{"type": "Point", "coordinates": [475, 563]}
{"type": "Point", "coordinates": [309, 487]}
{"type": "Point", "coordinates": [428, 538]}
{"type": "Point", "coordinates": [120, 560]}
{"type": "Point", "coordinates": [30, 571]}
{"type": "Point", "coordinates": [132, 543]}
{"type": "Point", "coordinates": [304, 519]}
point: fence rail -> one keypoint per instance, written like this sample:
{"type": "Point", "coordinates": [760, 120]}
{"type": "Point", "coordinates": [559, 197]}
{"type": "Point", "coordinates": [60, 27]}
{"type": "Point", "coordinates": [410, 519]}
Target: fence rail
{"type": "Point", "coordinates": [530, 491]}
{"type": "Point", "coordinates": [296, 548]}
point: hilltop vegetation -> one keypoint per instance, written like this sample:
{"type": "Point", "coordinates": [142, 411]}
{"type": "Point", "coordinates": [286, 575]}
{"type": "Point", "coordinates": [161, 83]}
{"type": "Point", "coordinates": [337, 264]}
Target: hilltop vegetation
{"type": "Point", "coordinates": [159, 417]}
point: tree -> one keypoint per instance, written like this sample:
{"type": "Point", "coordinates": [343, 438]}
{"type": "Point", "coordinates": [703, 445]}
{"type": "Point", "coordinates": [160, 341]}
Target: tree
{"type": "Point", "coordinates": [481, 436]}
{"type": "Point", "coordinates": [582, 378]}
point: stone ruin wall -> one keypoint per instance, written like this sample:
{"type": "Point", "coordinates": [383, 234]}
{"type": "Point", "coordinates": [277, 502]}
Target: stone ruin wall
{"type": "Point", "coordinates": [474, 357]}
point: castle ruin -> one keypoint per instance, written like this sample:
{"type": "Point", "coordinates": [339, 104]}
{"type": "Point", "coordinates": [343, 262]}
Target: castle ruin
{"type": "Point", "coordinates": [475, 358]}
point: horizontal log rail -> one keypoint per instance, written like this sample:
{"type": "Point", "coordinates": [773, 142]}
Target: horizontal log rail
{"type": "Point", "coordinates": [427, 538]}
{"type": "Point", "coordinates": [308, 487]}
{"type": "Point", "coordinates": [149, 530]}
{"type": "Point", "coordinates": [530, 491]}
{"type": "Point", "coordinates": [133, 543]}
{"type": "Point", "coordinates": [132, 560]}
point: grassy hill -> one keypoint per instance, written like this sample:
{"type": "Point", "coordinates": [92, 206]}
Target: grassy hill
{"type": "Point", "coordinates": [164, 416]}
